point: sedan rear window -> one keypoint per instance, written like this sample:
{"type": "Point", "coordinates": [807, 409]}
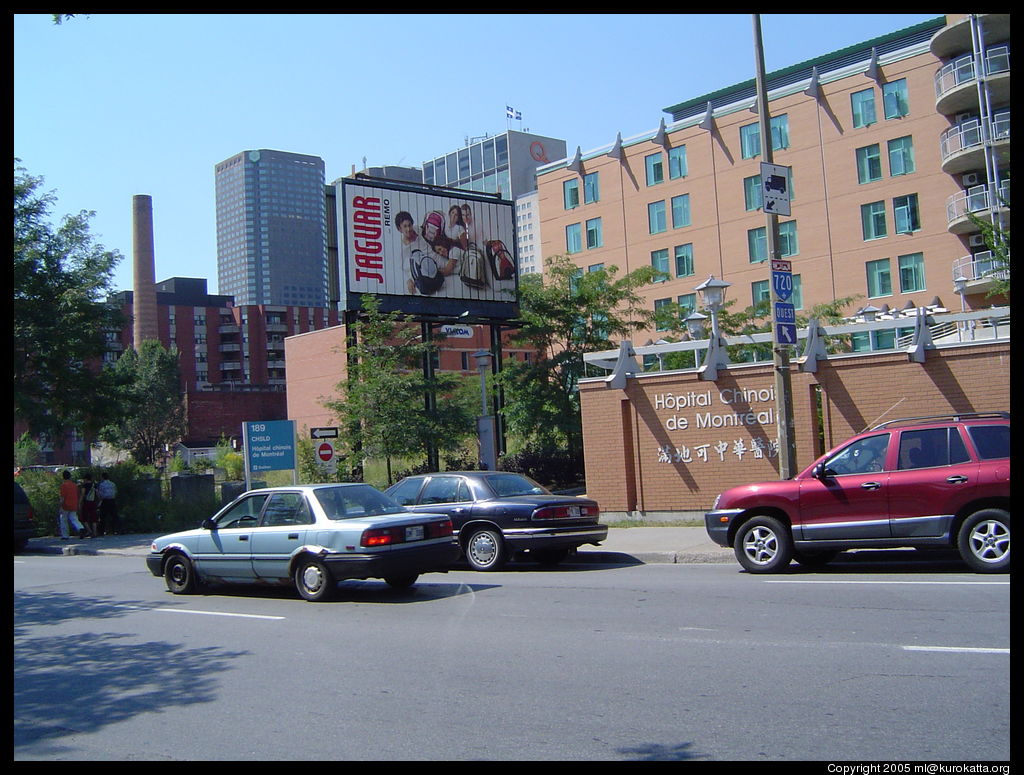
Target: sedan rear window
{"type": "Point", "coordinates": [353, 501]}
{"type": "Point", "coordinates": [991, 441]}
{"type": "Point", "coordinates": [505, 485]}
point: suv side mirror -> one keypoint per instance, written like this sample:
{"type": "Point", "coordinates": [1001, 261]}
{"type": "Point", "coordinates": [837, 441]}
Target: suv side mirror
{"type": "Point", "coordinates": [822, 472]}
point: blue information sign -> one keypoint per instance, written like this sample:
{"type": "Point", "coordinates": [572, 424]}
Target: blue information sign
{"type": "Point", "coordinates": [785, 323]}
{"type": "Point", "coordinates": [270, 446]}
{"type": "Point", "coordinates": [783, 284]}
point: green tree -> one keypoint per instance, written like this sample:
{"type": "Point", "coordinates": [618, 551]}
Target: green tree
{"type": "Point", "coordinates": [381, 403]}
{"type": "Point", "coordinates": [565, 313]}
{"type": "Point", "coordinates": [61, 318]}
{"type": "Point", "coordinates": [152, 412]}
{"type": "Point", "coordinates": [997, 240]}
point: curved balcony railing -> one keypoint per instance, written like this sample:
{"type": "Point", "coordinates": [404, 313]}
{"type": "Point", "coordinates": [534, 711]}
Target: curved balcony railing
{"type": "Point", "coordinates": [980, 266]}
{"type": "Point", "coordinates": [976, 199]}
{"type": "Point", "coordinates": [961, 70]}
{"type": "Point", "coordinates": [969, 135]}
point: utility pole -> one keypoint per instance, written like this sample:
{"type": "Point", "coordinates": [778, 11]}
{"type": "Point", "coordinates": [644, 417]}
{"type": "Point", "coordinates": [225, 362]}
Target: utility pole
{"type": "Point", "coordinates": [783, 385]}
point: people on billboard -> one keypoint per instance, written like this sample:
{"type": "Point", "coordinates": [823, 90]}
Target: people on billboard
{"type": "Point", "coordinates": [427, 268]}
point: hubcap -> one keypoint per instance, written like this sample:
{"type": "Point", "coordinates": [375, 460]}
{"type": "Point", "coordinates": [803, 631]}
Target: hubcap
{"type": "Point", "coordinates": [312, 578]}
{"type": "Point", "coordinates": [178, 573]}
{"type": "Point", "coordinates": [483, 549]}
{"type": "Point", "coordinates": [760, 545]}
{"type": "Point", "coordinates": [990, 541]}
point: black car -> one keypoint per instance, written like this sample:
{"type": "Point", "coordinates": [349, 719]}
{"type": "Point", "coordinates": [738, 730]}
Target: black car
{"type": "Point", "coordinates": [24, 519]}
{"type": "Point", "coordinates": [497, 514]}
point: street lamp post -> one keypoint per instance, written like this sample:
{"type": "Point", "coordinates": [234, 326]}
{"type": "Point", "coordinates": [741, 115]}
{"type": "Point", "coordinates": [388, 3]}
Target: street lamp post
{"type": "Point", "coordinates": [486, 426]}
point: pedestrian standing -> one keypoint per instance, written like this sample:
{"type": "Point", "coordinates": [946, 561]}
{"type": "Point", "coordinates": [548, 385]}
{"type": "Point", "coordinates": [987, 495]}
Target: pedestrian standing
{"type": "Point", "coordinates": [69, 507]}
{"type": "Point", "coordinates": [89, 504]}
{"type": "Point", "coordinates": [109, 520]}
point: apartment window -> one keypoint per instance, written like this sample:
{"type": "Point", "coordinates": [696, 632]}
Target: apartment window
{"type": "Point", "coordinates": [573, 238]}
{"type": "Point", "coordinates": [750, 136]}
{"type": "Point", "coordinates": [905, 214]}
{"type": "Point", "coordinates": [591, 188]}
{"type": "Point", "coordinates": [656, 217]}
{"type": "Point", "coordinates": [753, 198]}
{"type": "Point", "coordinates": [872, 220]}
{"type": "Point", "coordinates": [879, 278]}
{"type": "Point", "coordinates": [750, 141]}
{"type": "Point", "coordinates": [677, 162]}
{"type": "Point", "coordinates": [655, 169]}
{"type": "Point", "coordinates": [571, 193]}
{"type": "Point", "coordinates": [797, 298]}
{"type": "Point", "coordinates": [911, 268]}
{"type": "Point", "coordinates": [684, 260]}
{"type": "Point", "coordinates": [680, 211]}
{"type": "Point", "coordinates": [659, 260]}
{"type": "Point", "coordinates": [863, 105]}
{"type": "Point", "coordinates": [869, 164]}
{"type": "Point", "coordinates": [594, 239]}
{"type": "Point", "coordinates": [663, 319]}
{"type": "Point", "coordinates": [757, 242]}
{"type": "Point", "coordinates": [760, 291]}
{"type": "Point", "coordinates": [894, 99]}
{"type": "Point", "coordinates": [901, 156]}
{"type": "Point", "coordinates": [788, 243]}
{"type": "Point", "coordinates": [757, 245]}
{"type": "Point", "coordinates": [687, 304]}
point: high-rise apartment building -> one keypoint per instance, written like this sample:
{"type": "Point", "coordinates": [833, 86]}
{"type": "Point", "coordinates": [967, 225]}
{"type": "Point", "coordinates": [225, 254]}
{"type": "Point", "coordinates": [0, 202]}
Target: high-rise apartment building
{"type": "Point", "coordinates": [272, 229]}
{"type": "Point", "coordinates": [891, 143]}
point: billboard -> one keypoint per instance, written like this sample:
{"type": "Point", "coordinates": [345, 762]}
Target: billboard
{"type": "Point", "coordinates": [427, 251]}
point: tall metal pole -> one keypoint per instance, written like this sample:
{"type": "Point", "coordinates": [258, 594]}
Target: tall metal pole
{"type": "Point", "coordinates": [783, 384]}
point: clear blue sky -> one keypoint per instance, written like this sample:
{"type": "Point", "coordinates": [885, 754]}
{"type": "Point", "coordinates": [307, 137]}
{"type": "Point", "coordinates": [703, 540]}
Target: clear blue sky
{"type": "Point", "coordinates": [107, 106]}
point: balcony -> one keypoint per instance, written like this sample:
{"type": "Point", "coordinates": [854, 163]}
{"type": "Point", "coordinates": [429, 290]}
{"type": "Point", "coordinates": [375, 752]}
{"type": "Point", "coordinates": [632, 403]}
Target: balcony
{"type": "Point", "coordinates": [981, 271]}
{"type": "Point", "coordinates": [975, 200]}
{"type": "Point", "coordinates": [956, 82]}
{"type": "Point", "coordinates": [963, 146]}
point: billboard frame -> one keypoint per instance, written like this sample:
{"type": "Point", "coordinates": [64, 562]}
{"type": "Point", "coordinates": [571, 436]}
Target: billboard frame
{"type": "Point", "coordinates": [496, 302]}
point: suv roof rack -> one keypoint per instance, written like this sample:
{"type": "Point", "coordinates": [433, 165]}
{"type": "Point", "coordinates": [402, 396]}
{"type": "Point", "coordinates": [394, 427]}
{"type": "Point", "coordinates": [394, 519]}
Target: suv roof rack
{"type": "Point", "coordinates": [949, 417]}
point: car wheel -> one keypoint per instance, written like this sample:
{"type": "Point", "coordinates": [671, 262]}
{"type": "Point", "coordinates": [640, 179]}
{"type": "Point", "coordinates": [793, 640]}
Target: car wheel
{"type": "Point", "coordinates": [763, 545]}
{"type": "Point", "coordinates": [817, 559]}
{"type": "Point", "coordinates": [401, 582]}
{"type": "Point", "coordinates": [313, 580]}
{"type": "Point", "coordinates": [984, 541]}
{"type": "Point", "coordinates": [485, 550]}
{"type": "Point", "coordinates": [179, 575]}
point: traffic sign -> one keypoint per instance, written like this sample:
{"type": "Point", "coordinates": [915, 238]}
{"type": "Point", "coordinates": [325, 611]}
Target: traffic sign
{"type": "Point", "coordinates": [323, 433]}
{"type": "Point", "coordinates": [775, 188]}
{"type": "Point", "coordinates": [785, 333]}
{"type": "Point", "coordinates": [269, 446]}
{"type": "Point", "coordinates": [782, 282]}
{"type": "Point", "coordinates": [325, 452]}
{"type": "Point", "coordinates": [784, 321]}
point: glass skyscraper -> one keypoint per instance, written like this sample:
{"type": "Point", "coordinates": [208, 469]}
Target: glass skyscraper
{"type": "Point", "coordinates": [272, 229]}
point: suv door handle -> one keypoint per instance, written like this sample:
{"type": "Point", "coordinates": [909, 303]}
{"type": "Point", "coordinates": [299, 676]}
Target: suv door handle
{"type": "Point", "coordinates": [956, 479]}
{"type": "Point", "coordinates": [870, 485]}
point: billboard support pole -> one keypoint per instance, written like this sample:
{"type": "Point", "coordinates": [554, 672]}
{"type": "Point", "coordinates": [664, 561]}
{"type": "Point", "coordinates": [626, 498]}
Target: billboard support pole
{"type": "Point", "coordinates": [430, 397]}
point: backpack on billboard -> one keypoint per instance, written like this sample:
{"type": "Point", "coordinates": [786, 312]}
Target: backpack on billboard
{"type": "Point", "coordinates": [425, 274]}
{"type": "Point", "coordinates": [502, 264]}
{"type": "Point", "coordinates": [433, 227]}
{"type": "Point", "coordinates": [473, 267]}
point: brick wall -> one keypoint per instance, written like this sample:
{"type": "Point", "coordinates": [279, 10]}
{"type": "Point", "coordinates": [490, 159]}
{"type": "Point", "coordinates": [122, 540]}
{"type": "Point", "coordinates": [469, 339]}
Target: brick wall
{"type": "Point", "coordinates": [671, 442]}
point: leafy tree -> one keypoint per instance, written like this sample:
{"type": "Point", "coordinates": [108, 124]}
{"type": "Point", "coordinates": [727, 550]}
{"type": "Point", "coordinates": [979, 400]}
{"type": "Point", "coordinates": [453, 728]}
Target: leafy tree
{"type": "Point", "coordinates": [997, 240]}
{"type": "Point", "coordinates": [152, 413]}
{"type": "Point", "coordinates": [381, 403]}
{"type": "Point", "coordinates": [61, 280]}
{"type": "Point", "coordinates": [564, 314]}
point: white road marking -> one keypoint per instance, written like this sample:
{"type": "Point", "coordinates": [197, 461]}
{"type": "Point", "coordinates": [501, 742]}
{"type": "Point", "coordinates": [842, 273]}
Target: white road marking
{"type": "Point", "coordinates": [957, 649]}
{"type": "Point", "coordinates": [202, 613]}
{"type": "Point", "coordinates": [857, 581]}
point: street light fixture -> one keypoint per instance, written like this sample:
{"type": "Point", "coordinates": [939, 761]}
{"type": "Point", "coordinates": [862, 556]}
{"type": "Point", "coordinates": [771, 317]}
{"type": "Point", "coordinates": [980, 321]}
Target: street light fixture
{"type": "Point", "coordinates": [712, 296]}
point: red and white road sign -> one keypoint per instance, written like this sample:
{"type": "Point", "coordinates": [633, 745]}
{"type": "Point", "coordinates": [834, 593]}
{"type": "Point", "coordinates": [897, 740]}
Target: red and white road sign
{"type": "Point", "coordinates": [325, 452]}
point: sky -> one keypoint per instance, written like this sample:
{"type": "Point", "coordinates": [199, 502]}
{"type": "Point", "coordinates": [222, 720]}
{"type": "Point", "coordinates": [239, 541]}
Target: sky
{"type": "Point", "coordinates": [107, 106]}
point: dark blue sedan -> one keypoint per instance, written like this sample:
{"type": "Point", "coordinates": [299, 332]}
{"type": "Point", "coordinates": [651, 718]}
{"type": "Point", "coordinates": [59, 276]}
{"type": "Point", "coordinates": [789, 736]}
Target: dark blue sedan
{"type": "Point", "coordinates": [497, 514]}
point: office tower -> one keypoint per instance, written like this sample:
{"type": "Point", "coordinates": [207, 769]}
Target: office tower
{"type": "Point", "coordinates": [272, 229]}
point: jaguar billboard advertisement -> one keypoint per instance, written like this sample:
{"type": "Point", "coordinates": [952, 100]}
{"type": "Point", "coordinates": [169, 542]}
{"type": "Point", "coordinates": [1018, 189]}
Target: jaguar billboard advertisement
{"type": "Point", "coordinates": [427, 251]}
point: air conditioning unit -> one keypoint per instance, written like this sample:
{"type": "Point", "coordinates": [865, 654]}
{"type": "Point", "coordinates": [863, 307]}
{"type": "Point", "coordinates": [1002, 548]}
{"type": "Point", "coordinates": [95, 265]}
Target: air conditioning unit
{"type": "Point", "coordinates": [962, 117]}
{"type": "Point", "coordinates": [971, 179]}
{"type": "Point", "coordinates": [976, 241]}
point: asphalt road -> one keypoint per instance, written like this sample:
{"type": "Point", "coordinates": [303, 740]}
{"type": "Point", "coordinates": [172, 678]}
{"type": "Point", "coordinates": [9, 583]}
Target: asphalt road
{"type": "Point", "coordinates": [878, 662]}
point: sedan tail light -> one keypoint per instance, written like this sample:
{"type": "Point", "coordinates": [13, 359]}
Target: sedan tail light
{"type": "Point", "coordinates": [384, 536]}
{"type": "Point", "coordinates": [567, 511]}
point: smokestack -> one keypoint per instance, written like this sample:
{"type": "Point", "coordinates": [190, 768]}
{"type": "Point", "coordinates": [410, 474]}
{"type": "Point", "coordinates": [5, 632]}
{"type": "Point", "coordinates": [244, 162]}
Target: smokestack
{"type": "Point", "coordinates": [144, 267]}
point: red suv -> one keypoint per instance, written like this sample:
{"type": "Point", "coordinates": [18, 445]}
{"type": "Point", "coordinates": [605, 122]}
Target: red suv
{"type": "Point", "coordinates": [918, 482]}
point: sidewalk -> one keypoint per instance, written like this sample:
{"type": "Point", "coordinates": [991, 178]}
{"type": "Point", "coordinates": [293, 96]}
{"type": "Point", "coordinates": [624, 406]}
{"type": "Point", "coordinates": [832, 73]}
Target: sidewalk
{"type": "Point", "coordinates": [624, 545]}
